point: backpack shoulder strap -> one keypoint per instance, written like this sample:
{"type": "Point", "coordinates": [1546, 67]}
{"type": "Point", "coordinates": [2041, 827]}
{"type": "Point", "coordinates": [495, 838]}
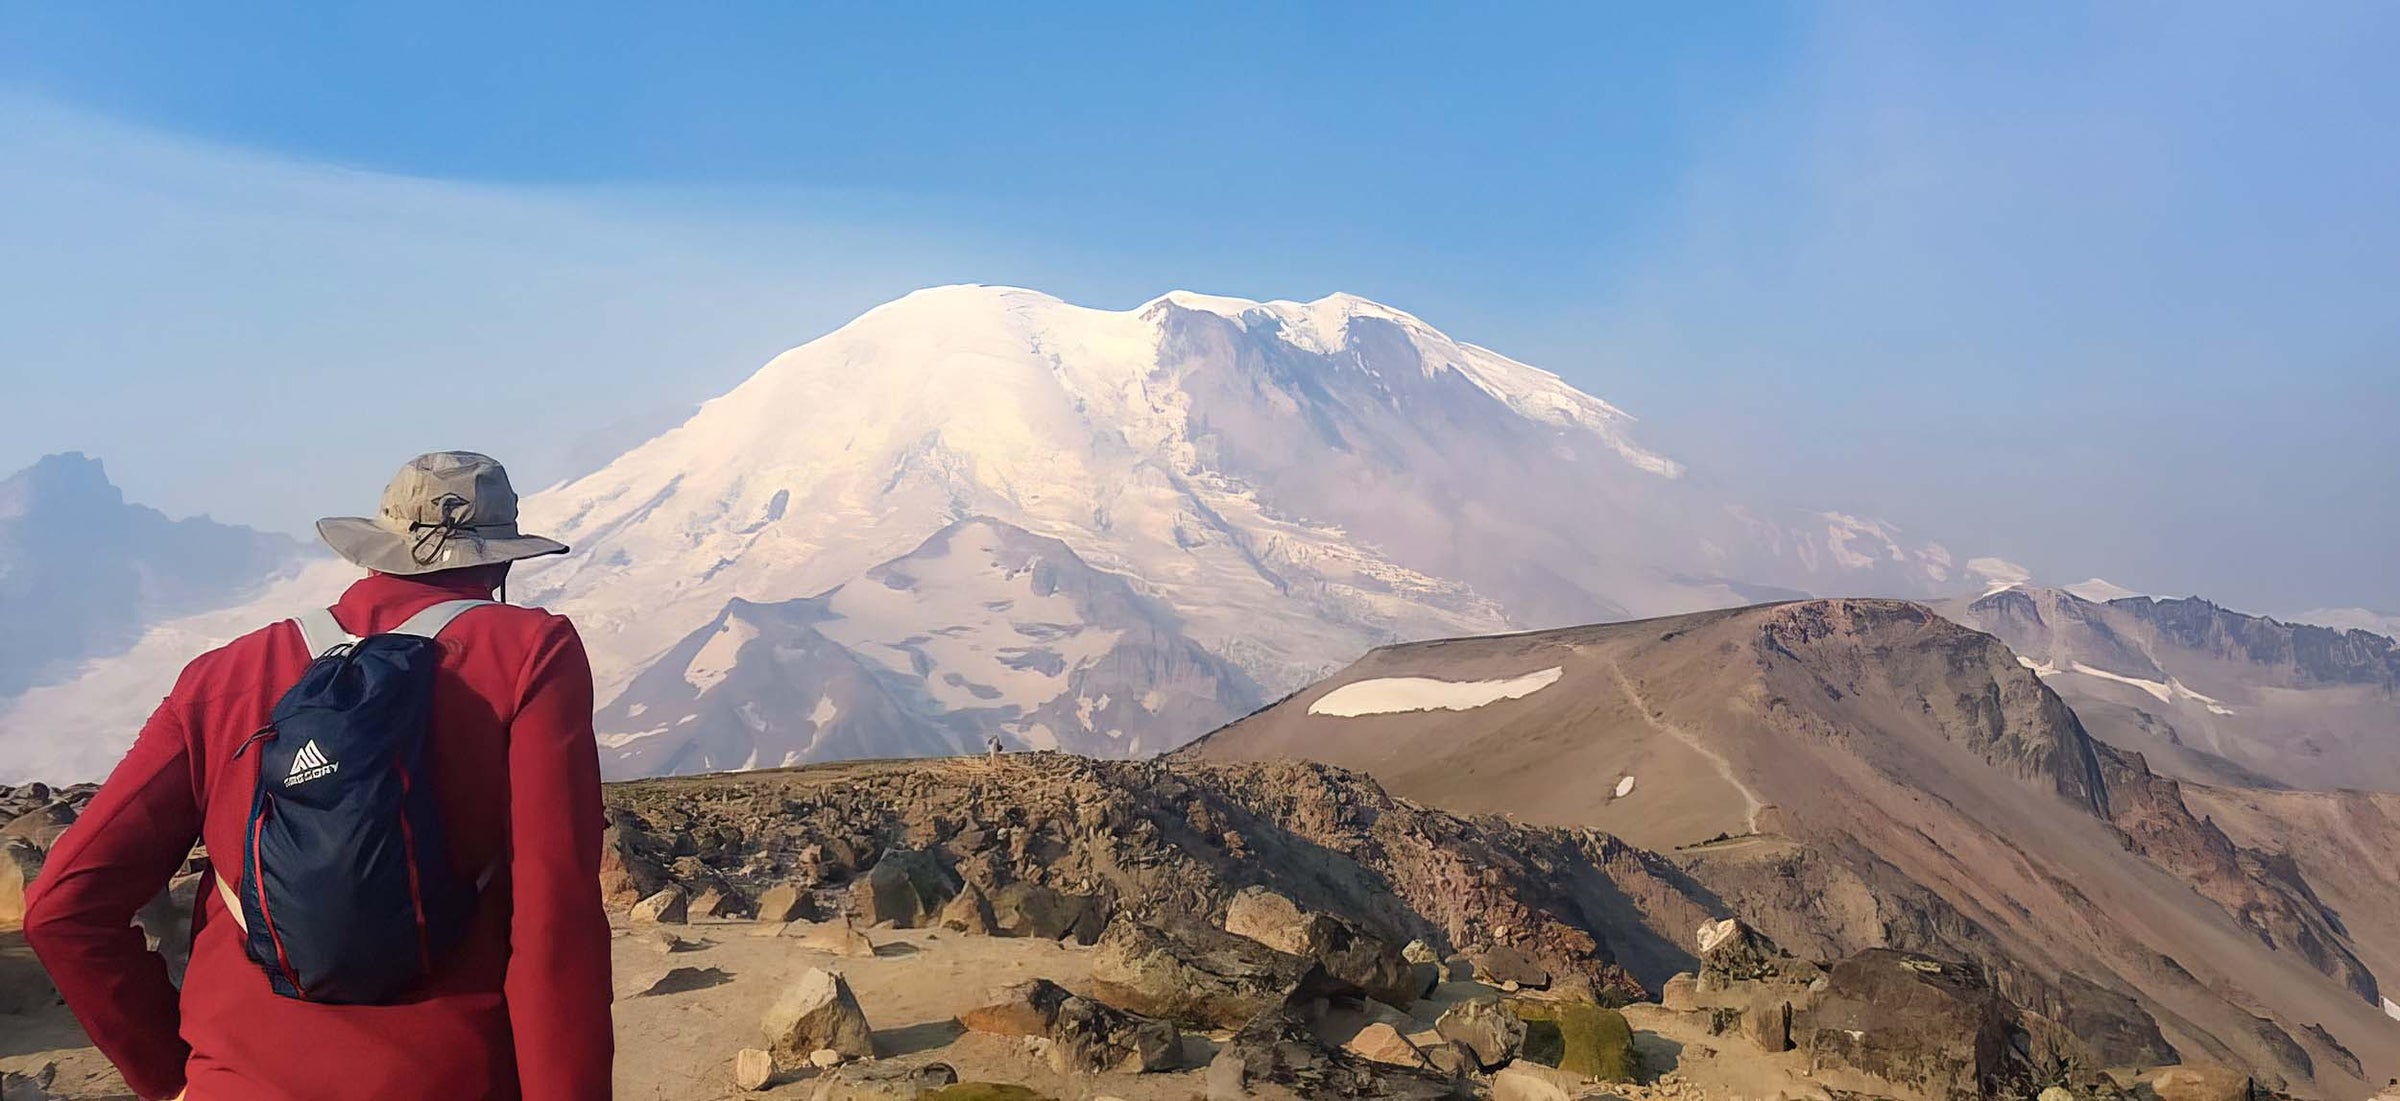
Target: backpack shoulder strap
{"type": "Point", "coordinates": [430, 622]}
{"type": "Point", "coordinates": [320, 632]}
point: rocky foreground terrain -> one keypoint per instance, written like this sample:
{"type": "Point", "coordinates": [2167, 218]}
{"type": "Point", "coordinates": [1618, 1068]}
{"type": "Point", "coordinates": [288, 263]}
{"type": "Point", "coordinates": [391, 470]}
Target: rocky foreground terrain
{"type": "Point", "coordinates": [1051, 926]}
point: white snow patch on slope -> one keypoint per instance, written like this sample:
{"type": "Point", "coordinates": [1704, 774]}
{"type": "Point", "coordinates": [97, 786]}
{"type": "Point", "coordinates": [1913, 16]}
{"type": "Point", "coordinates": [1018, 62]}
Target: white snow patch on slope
{"type": "Point", "coordinates": [1998, 574]}
{"type": "Point", "coordinates": [1624, 787]}
{"type": "Point", "coordinates": [717, 656]}
{"type": "Point", "coordinates": [619, 741]}
{"type": "Point", "coordinates": [824, 712]}
{"type": "Point", "coordinates": [1392, 695]}
{"type": "Point", "coordinates": [2391, 1009]}
{"type": "Point", "coordinates": [2100, 591]}
{"type": "Point", "coordinates": [2167, 691]}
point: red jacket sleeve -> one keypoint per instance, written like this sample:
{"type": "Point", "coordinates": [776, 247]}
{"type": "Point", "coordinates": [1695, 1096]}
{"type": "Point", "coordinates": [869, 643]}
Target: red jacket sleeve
{"type": "Point", "coordinates": [79, 915]}
{"type": "Point", "coordinates": [558, 967]}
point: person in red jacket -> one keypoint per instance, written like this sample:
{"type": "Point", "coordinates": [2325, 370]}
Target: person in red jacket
{"type": "Point", "coordinates": [521, 1008]}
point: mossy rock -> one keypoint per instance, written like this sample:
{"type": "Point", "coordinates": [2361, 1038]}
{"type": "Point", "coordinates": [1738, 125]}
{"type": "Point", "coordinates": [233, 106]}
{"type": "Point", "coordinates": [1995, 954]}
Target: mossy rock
{"type": "Point", "coordinates": [984, 1091]}
{"type": "Point", "coordinates": [1579, 1038]}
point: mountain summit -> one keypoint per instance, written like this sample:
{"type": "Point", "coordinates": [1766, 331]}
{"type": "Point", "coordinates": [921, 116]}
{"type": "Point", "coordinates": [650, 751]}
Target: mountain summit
{"type": "Point", "coordinates": [1295, 481]}
{"type": "Point", "coordinates": [1170, 514]}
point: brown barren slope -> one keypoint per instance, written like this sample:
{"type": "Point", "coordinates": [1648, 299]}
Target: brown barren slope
{"type": "Point", "coordinates": [1919, 788]}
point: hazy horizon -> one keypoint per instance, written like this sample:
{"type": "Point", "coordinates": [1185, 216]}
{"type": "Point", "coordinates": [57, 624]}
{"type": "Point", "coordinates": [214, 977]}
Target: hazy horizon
{"type": "Point", "coordinates": [2105, 292]}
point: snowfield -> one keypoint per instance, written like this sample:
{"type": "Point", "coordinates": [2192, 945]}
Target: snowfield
{"type": "Point", "coordinates": [1391, 695]}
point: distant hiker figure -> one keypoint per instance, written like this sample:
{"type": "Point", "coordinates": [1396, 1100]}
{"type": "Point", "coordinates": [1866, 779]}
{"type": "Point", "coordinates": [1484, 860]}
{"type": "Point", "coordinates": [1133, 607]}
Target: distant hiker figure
{"type": "Point", "coordinates": [401, 798]}
{"type": "Point", "coordinates": [991, 747]}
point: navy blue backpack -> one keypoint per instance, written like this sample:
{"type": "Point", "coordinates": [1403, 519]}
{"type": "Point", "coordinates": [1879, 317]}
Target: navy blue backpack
{"type": "Point", "coordinates": [346, 894]}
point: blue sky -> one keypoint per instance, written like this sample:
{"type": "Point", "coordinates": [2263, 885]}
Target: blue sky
{"type": "Point", "coordinates": [2107, 289]}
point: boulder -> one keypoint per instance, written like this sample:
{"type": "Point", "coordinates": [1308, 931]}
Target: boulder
{"type": "Point", "coordinates": [1348, 952]}
{"type": "Point", "coordinates": [1929, 1026]}
{"type": "Point", "coordinates": [2199, 1082]}
{"type": "Point", "coordinates": [1486, 1027]}
{"type": "Point", "coordinates": [1451, 1057]}
{"type": "Point", "coordinates": [41, 826]}
{"type": "Point", "coordinates": [969, 912]}
{"type": "Point", "coordinates": [1198, 976]}
{"type": "Point", "coordinates": [1089, 1037]}
{"type": "Point", "coordinates": [906, 887]}
{"type": "Point", "coordinates": [1680, 993]}
{"type": "Point", "coordinates": [1273, 920]}
{"type": "Point", "coordinates": [668, 906]}
{"type": "Point", "coordinates": [816, 1013]}
{"type": "Point", "coordinates": [1417, 951]}
{"type": "Point", "coordinates": [663, 979]}
{"type": "Point", "coordinates": [1032, 910]}
{"type": "Point", "coordinates": [784, 902]}
{"type": "Point", "coordinates": [753, 1069]}
{"type": "Point", "coordinates": [1085, 1036]}
{"type": "Point", "coordinates": [1579, 1038]}
{"type": "Point", "coordinates": [1533, 1082]}
{"type": "Point", "coordinates": [30, 1087]}
{"type": "Point", "coordinates": [716, 902]}
{"type": "Point", "coordinates": [842, 938]}
{"type": "Point", "coordinates": [1383, 1043]}
{"type": "Point", "coordinates": [1275, 1055]}
{"type": "Point", "coordinates": [1506, 965]}
{"type": "Point", "coordinates": [1731, 951]}
{"type": "Point", "coordinates": [626, 875]}
{"type": "Point", "coordinates": [1769, 1026]}
{"type": "Point", "coordinates": [20, 865]}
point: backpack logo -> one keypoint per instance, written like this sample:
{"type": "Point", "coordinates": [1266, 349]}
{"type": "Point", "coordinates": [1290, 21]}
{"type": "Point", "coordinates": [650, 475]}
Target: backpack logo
{"type": "Point", "coordinates": [309, 764]}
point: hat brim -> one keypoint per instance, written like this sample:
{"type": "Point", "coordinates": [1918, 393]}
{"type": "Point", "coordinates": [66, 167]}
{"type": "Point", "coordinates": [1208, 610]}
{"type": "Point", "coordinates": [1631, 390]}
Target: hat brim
{"type": "Point", "coordinates": [366, 543]}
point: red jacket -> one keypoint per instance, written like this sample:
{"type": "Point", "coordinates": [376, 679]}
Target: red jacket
{"type": "Point", "coordinates": [520, 1009]}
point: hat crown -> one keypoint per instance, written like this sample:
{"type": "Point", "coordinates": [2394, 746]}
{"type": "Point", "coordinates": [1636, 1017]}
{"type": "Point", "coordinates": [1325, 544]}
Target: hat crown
{"type": "Point", "coordinates": [459, 489]}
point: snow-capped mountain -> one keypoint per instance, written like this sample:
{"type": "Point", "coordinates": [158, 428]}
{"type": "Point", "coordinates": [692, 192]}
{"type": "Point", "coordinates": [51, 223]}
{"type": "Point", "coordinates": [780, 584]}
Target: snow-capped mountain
{"type": "Point", "coordinates": [985, 630]}
{"type": "Point", "coordinates": [1278, 486]}
{"type": "Point", "coordinates": [1298, 481]}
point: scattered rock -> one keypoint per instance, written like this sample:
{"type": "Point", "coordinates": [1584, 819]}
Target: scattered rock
{"type": "Point", "coordinates": [668, 905]}
{"type": "Point", "coordinates": [42, 826]}
{"type": "Point", "coordinates": [2199, 1082]}
{"type": "Point", "coordinates": [1458, 969]}
{"type": "Point", "coordinates": [1417, 951]}
{"type": "Point", "coordinates": [1769, 1026]}
{"type": "Point", "coordinates": [715, 902]}
{"type": "Point", "coordinates": [626, 875]}
{"type": "Point", "coordinates": [30, 1087]}
{"type": "Point", "coordinates": [825, 1058]}
{"type": "Point", "coordinates": [1486, 1027]}
{"type": "Point", "coordinates": [1451, 1057]}
{"type": "Point", "coordinates": [1506, 965]}
{"type": "Point", "coordinates": [907, 887]}
{"type": "Point", "coordinates": [1084, 1036]}
{"type": "Point", "coordinates": [970, 913]}
{"type": "Point", "coordinates": [662, 941]}
{"type": "Point", "coordinates": [816, 1013]}
{"type": "Point", "coordinates": [784, 903]}
{"type": "Point", "coordinates": [20, 865]}
{"type": "Point", "coordinates": [1936, 1028]}
{"type": "Point", "coordinates": [753, 1069]}
{"type": "Point", "coordinates": [1383, 1043]}
{"type": "Point", "coordinates": [1579, 1038]}
{"type": "Point", "coordinates": [842, 938]}
{"type": "Point", "coordinates": [1272, 920]}
{"type": "Point", "coordinates": [1731, 951]}
{"type": "Point", "coordinates": [1032, 910]}
{"type": "Point", "coordinates": [1349, 953]}
{"type": "Point", "coordinates": [1680, 993]}
{"type": "Point", "coordinates": [1533, 1082]}
{"type": "Point", "coordinates": [1198, 976]}
{"type": "Point", "coordinates": [1274, 1055]}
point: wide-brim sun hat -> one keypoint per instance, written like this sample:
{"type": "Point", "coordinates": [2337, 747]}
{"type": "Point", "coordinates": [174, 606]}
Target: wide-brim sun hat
{"type": "Point", "coordinates": [444, 511]}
